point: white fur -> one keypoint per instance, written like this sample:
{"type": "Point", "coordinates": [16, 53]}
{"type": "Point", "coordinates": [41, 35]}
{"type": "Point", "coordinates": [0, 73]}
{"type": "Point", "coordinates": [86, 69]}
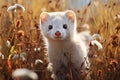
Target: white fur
{"type": "Point", "coordinates": [95, 42]}
{"type": "Point", "coordinates": [71, 46]}
{"type": "Point", "coordinates": [19, 73]}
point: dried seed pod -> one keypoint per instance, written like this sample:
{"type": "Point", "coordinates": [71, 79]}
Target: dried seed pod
{"type": "Point", "coordinates": [114, 62]}
{"type": "Point", "coordinates": [15, 7]}
{"type": "Point", "coordinates": [18, 23]}
{"type": "Point", "coordinates": [99, 72]}
{"type": "Point", "coordinates": [4, 6]}
{"type": "Point", "coordinates": [114, 36]}
{"type": "Point", "coordinates": [21, 33]}
{"type": "Point", "coordinates": [78, 11]}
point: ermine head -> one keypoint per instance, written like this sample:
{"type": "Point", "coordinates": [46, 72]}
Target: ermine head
{"type": "Point", "coordinates": [58, 25]}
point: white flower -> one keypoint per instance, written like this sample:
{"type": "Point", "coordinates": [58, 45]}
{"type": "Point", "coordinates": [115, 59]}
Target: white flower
{"type": "Point", "coordinates": [35, 49]}
{"type": "Point", "coordinates": [15, 56]}
{"type": "Point", "coordinates": [15, 7]}
{"type": "Point", "coordinates": [117, 16]}
{"type": "Point", "coordinates": [50, 67]}
{"type": "Point", "coordinates": [38, 61]}
{"type": "Point", "coordinates": [23, 55]}
{"type": "Point", "coordinates": [86, 26]}
{"type": "Point", "coordinates": [95, 42]}
{"type": "Point", "coordinates": [22, 73]}
{"type": "Point", "coordinates": [39, 49]}
{"type": "Point", "coordinates": [23, 58]}
{"type": "Point", "coordinates": [95, 36]}
{"type": "Point", "coordinates": [53, 76]}
{"type": "Point", "coordinates": [8, 44]}
{"type": "Point", "coordinates": [1, 55]}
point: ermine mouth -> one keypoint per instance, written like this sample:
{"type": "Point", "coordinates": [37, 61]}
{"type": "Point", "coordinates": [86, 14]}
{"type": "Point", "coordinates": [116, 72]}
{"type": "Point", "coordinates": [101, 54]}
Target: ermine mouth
{"type": "Point", "coordinates": [58, 38]}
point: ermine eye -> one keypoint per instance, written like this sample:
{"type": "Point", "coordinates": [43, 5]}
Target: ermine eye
{"type": "Point", "coordinates": [65, 26]}
{"type": "Point", "coordinates": [50, 27]}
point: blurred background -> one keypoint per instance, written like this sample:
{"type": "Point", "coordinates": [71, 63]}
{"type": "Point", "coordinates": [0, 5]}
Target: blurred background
{"type": "Point", "coordinates": [22, 45]}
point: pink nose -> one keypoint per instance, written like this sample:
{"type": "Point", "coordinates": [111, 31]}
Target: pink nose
{"type": "Point", "coordinates": [57, 33]}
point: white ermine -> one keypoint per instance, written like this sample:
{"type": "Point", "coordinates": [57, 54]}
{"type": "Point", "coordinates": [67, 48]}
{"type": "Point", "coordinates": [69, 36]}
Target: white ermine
{"type": "Point", "coordinates": [64, 44]}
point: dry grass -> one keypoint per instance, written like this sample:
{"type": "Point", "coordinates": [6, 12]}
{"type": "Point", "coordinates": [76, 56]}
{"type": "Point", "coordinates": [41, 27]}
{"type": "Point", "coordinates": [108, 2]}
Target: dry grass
{"type": "Point", "coordinates": [20, 35]}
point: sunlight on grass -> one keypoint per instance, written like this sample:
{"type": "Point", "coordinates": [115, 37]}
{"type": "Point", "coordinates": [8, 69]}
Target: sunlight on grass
{"type": "Point", "coordinates": [20, 37]}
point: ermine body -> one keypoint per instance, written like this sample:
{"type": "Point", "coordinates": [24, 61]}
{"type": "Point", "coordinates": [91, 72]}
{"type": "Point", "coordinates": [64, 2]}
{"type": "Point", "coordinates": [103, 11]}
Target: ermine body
{"type": "Point", "coordinates": [64, 44]}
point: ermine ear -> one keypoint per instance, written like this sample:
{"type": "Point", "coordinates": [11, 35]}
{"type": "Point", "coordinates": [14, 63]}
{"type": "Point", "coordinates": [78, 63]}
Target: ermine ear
{"type": "Point", "coordinates": [71, 15]}
{"type": "Point", "coordinates": [43, 17]}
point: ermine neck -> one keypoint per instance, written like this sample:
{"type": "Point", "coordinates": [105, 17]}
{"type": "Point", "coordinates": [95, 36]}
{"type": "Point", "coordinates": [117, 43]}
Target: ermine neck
{"type": "Point", "coordinates": [56, 43]}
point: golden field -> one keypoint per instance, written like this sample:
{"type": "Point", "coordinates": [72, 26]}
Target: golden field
{"type": "Point", "coordinates": [21, 43]}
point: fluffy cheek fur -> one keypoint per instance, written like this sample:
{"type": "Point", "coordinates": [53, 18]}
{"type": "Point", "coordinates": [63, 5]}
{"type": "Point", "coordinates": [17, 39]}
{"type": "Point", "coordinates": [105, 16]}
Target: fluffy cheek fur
{"type": "Point", "coordinates": [71, 30]}
{"type": "Point", "coordinates": [43, 30]}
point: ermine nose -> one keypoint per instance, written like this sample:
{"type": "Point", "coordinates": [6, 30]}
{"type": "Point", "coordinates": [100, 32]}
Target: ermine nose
{"type": "Point", "coordinates": [57, 33]}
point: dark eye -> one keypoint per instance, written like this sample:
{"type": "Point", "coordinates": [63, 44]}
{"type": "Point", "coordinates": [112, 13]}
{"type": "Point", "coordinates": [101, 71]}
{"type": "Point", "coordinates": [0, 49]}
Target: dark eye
{"type": "Point", "coordinates": [50, 27]}
{"type": "Point", "coordinates": [65, 26]}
